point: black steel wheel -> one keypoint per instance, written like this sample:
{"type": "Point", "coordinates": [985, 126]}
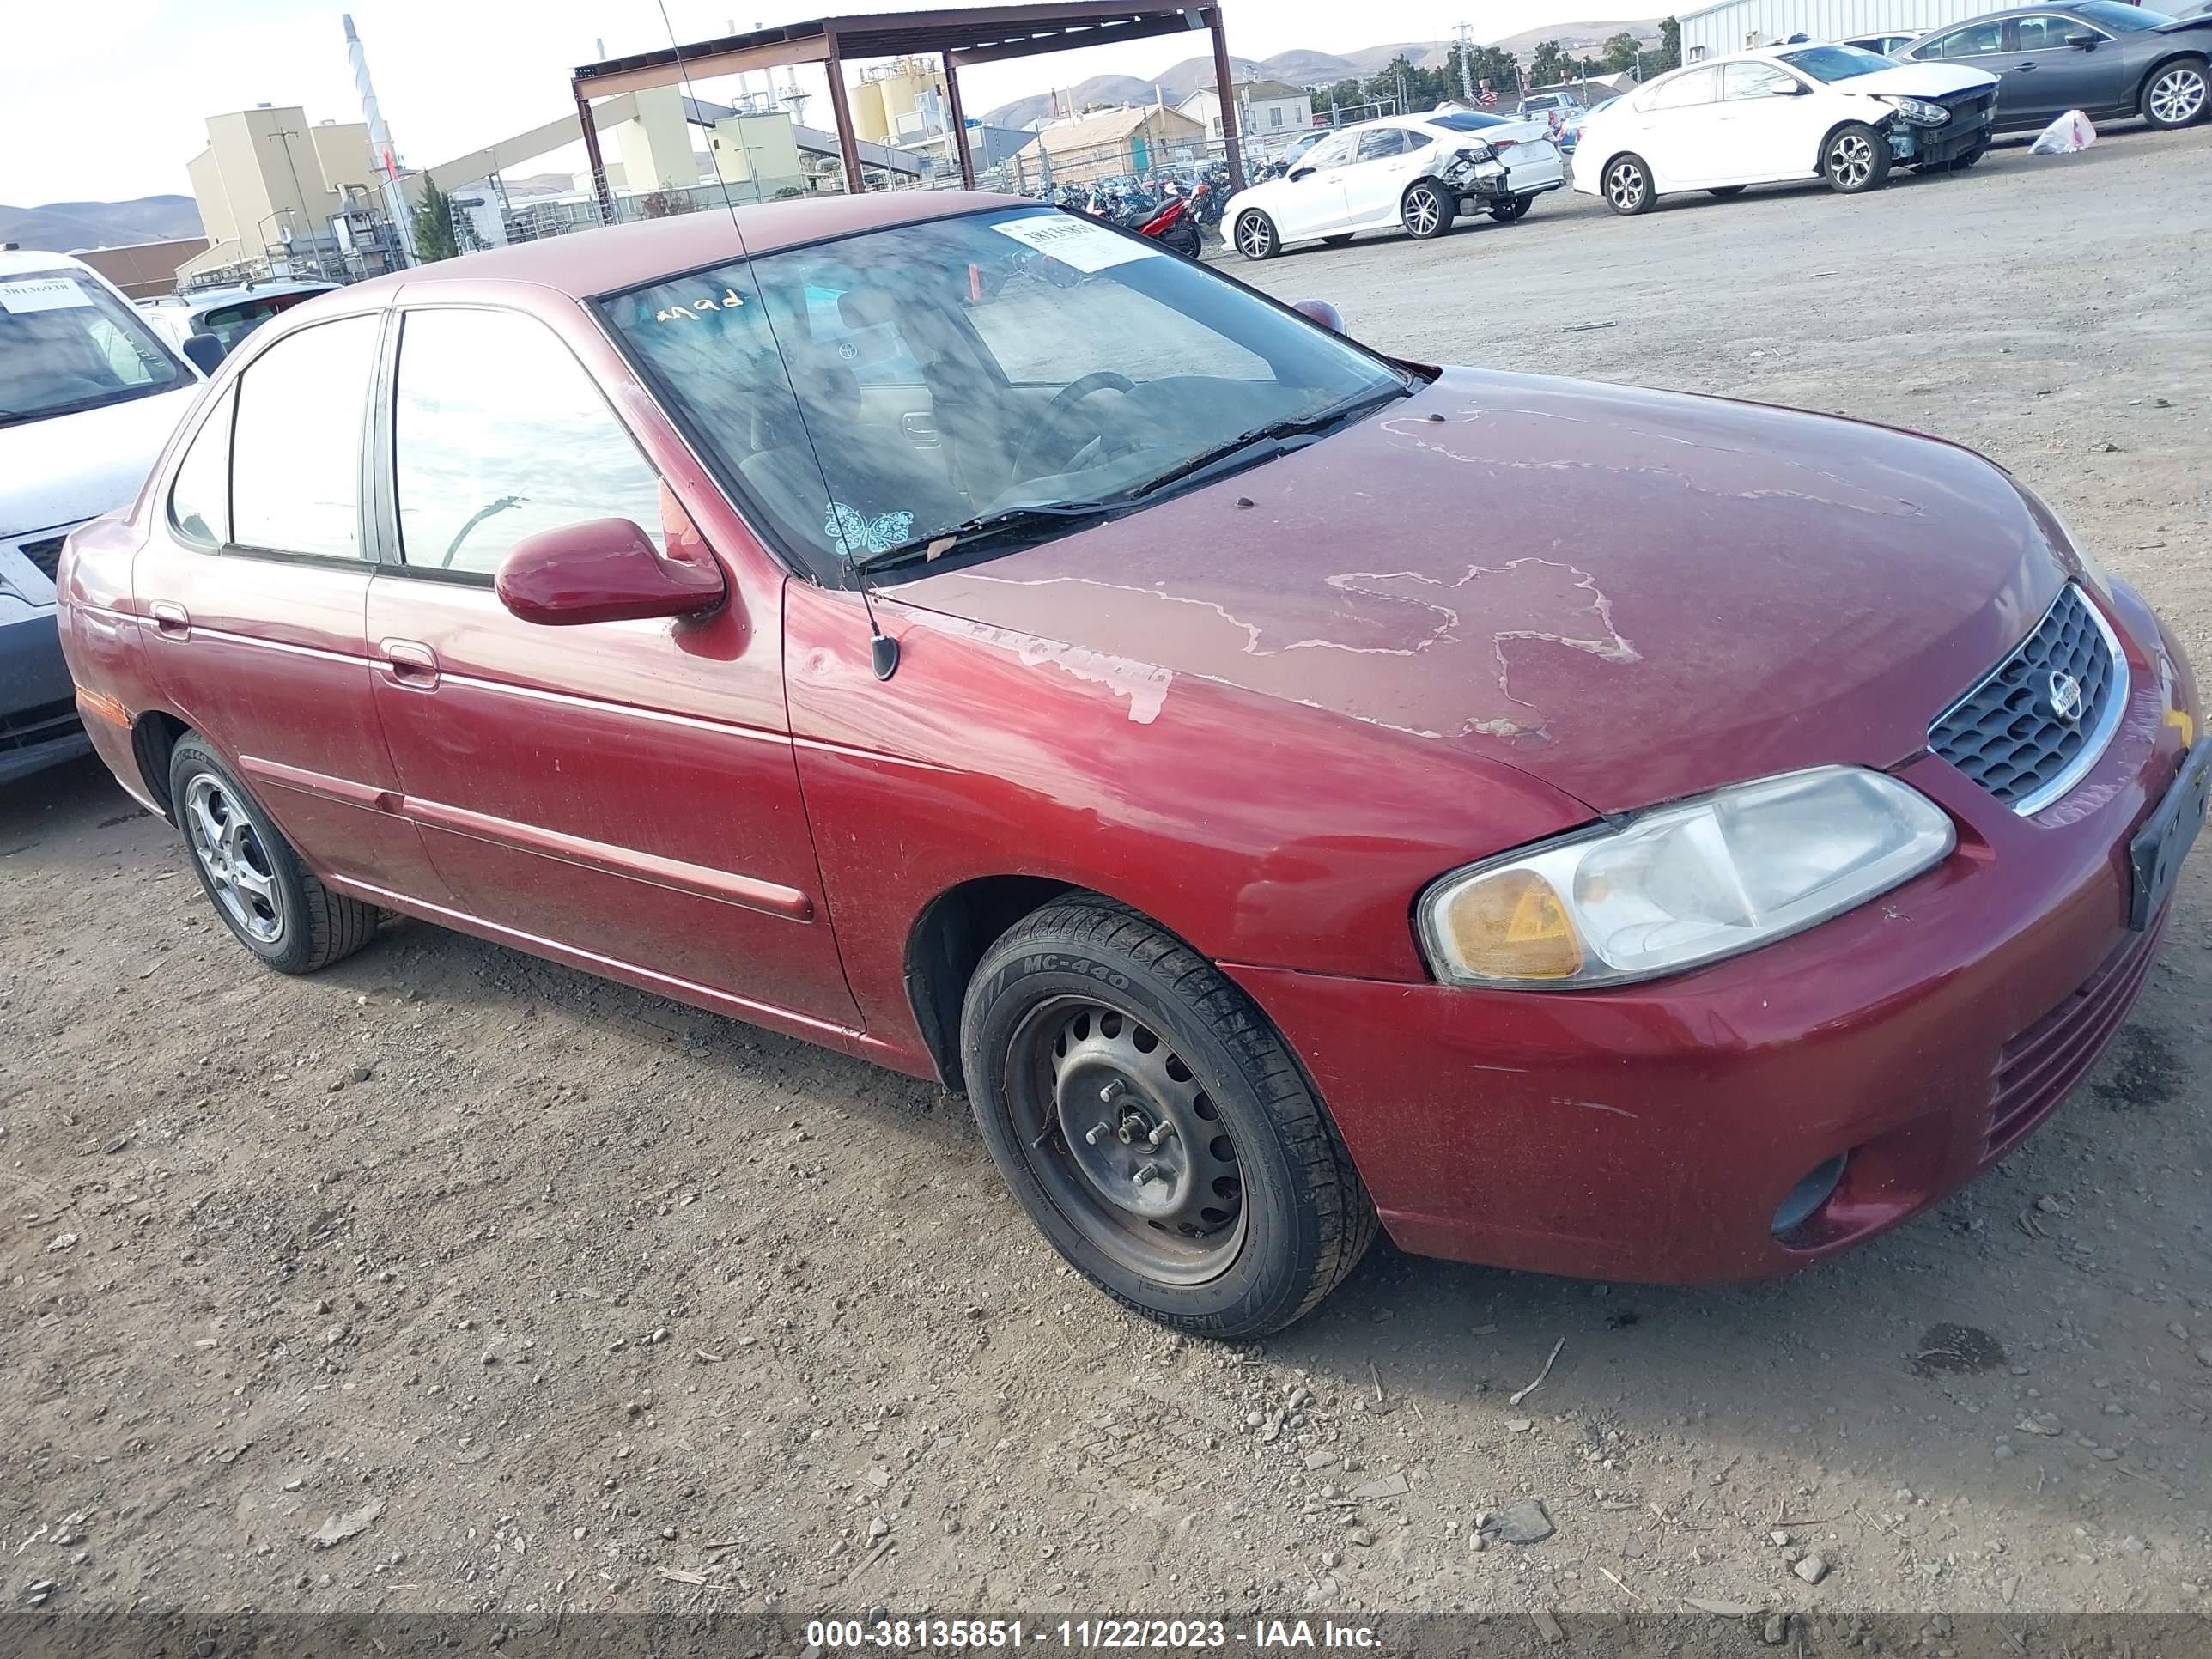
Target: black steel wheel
{"type": "Point", "coordinates": [1725, 190]}
{"type": "Point", "coordinates": [1155, 1126]}
{"type": "Point", "coordinates": [1513, 211]}
{"type": "Point", "coordinates": [1337, 240]}
{"type": "Point", "coordinates": [272, 904]}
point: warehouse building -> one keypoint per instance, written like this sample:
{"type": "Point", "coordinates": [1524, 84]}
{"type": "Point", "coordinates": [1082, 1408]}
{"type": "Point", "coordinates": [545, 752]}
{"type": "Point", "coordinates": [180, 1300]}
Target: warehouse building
{"type": "Point", "coordinates": [1735, 25]}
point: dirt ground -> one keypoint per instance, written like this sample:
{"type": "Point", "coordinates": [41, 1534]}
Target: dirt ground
{"type": "Point", "coordinates": [554, 1295]}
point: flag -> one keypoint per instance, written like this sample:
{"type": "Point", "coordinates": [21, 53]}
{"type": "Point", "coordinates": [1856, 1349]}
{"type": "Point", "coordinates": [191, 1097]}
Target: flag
{"type": "Point", "coordinates": [1487, 98]}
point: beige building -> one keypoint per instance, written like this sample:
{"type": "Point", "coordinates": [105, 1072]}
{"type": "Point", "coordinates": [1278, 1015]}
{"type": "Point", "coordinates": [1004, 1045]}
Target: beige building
{"type": "Point", "coordinates": [267, 185]}
{"type": "Point", "coordinates": [762, 148]}
{"type": "Point", "coordinates": [1106, 144]}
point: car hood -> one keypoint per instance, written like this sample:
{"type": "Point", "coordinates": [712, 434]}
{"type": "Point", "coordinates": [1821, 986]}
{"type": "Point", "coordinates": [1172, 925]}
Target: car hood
{"type": "Point", "coordinates": [1918, 81]}
{"type": "Point", "coordinates": [72, 467]}
{"type": "Point", "coordinates": [1631, 595]}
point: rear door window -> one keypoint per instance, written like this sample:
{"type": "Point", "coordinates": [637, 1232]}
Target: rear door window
{"type": "Point", "coordinates": [1975, 40]}
{"type": "Point", "coordinates": [296, 450]}
{"type": "Point", "coordinates": [1684, 90]}
{"type": "Point", "coordinates": [199, 499]}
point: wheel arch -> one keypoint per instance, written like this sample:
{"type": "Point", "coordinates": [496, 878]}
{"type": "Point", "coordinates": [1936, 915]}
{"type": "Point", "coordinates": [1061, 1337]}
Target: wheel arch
{"type": "Point", "coordinates": [1626, 155]}
{"type": "Point", "coordinates": [1878, 127]}
{"type": "Point", "coordinates": [2142, 86]}
{"type": "Point", "coordinates": [154, 736]}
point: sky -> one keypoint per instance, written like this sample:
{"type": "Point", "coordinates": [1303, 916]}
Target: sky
{"type": "Point", "coordinates": [115, 112]}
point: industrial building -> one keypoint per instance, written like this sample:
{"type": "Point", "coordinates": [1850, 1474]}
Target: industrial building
{"type": "Point", "coordinates": [268, 184]}
{"type": "Point", "coordinates": [1735, 25]}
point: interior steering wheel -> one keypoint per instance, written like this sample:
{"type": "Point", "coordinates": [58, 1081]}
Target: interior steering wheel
{"type": "Point", "coordinates": [1051, 425]}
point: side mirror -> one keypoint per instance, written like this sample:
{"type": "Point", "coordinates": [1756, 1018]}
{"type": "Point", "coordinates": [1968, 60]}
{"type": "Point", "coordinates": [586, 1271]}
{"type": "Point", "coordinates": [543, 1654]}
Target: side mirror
{"type": "Point", "coordinates": [204, 350]}
{"type": "Point", "coordinates": [1322, 312]}
{"type": "Point", "coordinates": [2082, 42]}
{"type": "Point", "coordinates": [1794, 89]}
{"type": "Point", "coordinates": [1301, 173]}
{"type": "Point", "coordinates": [605, 570]}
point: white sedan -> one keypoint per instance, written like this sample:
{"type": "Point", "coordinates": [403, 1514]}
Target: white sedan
{"type": "Point", "coordinates": [1780, 114]}
{"type": "Point", "coordinates": [1418, 172]}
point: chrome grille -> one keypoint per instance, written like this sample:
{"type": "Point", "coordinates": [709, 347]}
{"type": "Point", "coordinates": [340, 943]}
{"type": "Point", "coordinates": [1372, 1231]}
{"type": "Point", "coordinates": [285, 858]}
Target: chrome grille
{"type": "Point", "coordinates": [2020, 734]}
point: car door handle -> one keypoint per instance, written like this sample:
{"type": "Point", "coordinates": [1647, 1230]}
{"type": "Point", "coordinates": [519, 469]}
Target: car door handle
{"type": "Point", "coordinates": [922, 429]}
{"type": "Point", "coordinates": [174, 622]}
{"type": "Point", "coordinates": [408, 663]}
{"type": "Point", "coordinates": [2023, 68]}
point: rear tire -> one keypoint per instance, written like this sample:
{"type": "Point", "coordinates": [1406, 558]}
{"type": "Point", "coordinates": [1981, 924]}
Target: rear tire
{"type": "Point", "coordinates": [1087, 1014]}
{"type": "Point", "coordinates": [1855, 160]}
{"type": "Point", "coordinates": [1627, 185]}
{"type": "Point", "coordinates": [1256, 238]}
{"type": "Point", "coordinates": [272, 904]}
{"type": "Point", "coordinates": [2175, 94]}
{"type": "Point", "coordinates": [1427, 210]}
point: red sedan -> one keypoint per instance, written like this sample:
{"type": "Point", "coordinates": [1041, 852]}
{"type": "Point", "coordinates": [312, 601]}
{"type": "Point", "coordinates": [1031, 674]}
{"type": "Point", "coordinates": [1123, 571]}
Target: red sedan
{"type": "Point", "coordinates": [1595, 830]}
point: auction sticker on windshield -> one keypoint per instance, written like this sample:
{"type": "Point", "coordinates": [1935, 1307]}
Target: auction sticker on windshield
{"type": "Point", "coordinates": [22, 294]}
{"type": "Point", "coordinates": [1077, 242]}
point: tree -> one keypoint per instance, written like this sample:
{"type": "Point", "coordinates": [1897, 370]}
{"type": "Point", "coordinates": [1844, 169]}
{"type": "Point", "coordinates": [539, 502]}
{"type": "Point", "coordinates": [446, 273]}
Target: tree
{"type": "Point", "coordinates": [434, 225]}
{"type": "Point", "coordinates": [1620, 52]}
{"type": "Point", "coordinates": [1550, 65]}
{"type": "Point", "coordinates": [1670, 45]}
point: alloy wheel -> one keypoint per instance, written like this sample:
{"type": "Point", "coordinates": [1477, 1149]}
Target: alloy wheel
{"type": "Point", "coordinates": [1423, 212]}
{"type": "Point", "coordinates": [2177, 97]}
{"type": "Point", "coordinates": [1256, 239]}
{"type": "Point", "coordinates": [1125, 1141]}
{"type": "Point", "coordinates": [1625, 185]}
{"type": "Point", "coordinates": [238, 867]}
{"type": "Point", "coordinates": [1851, 161]}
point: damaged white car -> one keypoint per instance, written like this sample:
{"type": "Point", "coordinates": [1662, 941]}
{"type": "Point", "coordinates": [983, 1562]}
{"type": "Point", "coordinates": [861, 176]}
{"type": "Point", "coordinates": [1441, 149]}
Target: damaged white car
{"type": "Point", "coordinates": [1782, 114]}
{"type": "Point", "coordinates": [1418, 172]}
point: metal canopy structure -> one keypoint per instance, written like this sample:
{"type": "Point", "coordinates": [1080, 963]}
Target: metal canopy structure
{"type": "Point", "coordinates": [967, 35]}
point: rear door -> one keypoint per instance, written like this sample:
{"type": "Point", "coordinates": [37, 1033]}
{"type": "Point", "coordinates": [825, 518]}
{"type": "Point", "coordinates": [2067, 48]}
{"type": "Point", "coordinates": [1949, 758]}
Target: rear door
{"type": "Point", "coordinates": [1766, 126]}
{"type": "Point", "coordinates": [253, 587]}
{"type": "Point", "coordinates": [1385, 162]}
{"type": "Point", "coordinates": [627, 790]}
{"type": "Point", "coordinates": [1682, 130]}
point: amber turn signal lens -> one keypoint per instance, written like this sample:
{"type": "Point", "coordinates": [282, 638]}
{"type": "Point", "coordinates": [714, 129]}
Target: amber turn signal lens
{"type": "Point", "coordinates": [1512, 925]}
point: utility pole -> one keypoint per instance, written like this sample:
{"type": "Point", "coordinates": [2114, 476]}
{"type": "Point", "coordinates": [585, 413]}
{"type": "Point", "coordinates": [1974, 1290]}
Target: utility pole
{"type": "Point", "coordinates": [1466, 62]}
{"type": "Point", "coordinates": [284, 135]}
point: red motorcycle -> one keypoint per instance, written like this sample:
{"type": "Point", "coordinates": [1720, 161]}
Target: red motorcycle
{"type": "Point", "coordinates": [1175, 226]}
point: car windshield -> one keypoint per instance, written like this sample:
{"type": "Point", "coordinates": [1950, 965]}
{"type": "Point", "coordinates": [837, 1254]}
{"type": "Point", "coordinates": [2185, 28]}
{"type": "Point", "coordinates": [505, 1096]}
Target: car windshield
{"type": "Point", "coordinates": [1836, 63]}
{"type": "Point", "coordinates": [986, 381]}
{"type": "Point", "coordinates": [2124, 19]}
{"type": "Point", "coordinates": [1466, 121]}
{"type": "Point", "coordinates": [67, 343]}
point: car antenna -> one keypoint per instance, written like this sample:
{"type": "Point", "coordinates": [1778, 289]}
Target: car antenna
{"type": "Point", "coordinates": [882, 649]}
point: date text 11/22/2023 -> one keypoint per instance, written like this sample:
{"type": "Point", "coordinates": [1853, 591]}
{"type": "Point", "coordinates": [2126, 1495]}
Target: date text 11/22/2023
{"type": "Point", "coordinates": [1081, 1634]}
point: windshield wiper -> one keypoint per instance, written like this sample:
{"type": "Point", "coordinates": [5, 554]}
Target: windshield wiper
{"type": "Point", "coordinates": [1051, 516]}
{"type": "Point", "coordinates": [1277, 432]}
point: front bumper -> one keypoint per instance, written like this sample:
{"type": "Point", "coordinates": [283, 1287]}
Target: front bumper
{"type": "Point", "coordinates": [38, 721]}
{"type": "Point", "coordinates": [1965, 133]}
{"type": "Point", "coordinates": [1651, 1134]}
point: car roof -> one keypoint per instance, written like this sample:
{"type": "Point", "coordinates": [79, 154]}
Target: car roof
{"type": "Point", "coordinates": [589, 262]}
{"type": "Point", "coordinates": [14, 262]}
{"type": "Point", "coordinates": [204, 298]}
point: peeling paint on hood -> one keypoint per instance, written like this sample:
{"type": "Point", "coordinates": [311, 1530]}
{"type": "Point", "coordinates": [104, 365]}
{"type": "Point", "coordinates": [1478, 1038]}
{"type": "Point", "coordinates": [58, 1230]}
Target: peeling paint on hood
{"type": "Point", "coordinates": [1631, 595]}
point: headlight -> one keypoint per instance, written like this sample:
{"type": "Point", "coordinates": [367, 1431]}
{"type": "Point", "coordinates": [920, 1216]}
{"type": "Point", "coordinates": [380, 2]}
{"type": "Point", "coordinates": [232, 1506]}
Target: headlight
{"type": "Point", "coordinates": [1921, 112]}
{"type": "Point", "coordinates": [1684, 884]}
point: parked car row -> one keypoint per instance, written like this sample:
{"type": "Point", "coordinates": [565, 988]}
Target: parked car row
{"type": "Point", "coordinates": [1851, 111]}
{"type": "Point", "coordinates": [1012, 720]}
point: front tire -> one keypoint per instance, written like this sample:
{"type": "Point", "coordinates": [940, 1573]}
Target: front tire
{"type": "Point", "coordinates": [1428, 210]}
{"type": "Point", "coordinates": [1855, 160]}
{"type": "Point", "coordinates": [272, 904]}
{"type": "Point", "coordinates": [1627, 185]}
{"type": "Point", "coordinates": [1256, 239]}
{"type": "Point", "coordinates": [1155, 1126]}
{"type": "Point", "coordinates": [2174, 96]}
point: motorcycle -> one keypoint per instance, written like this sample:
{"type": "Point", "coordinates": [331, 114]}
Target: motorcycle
{"type": "Point", "coordinates": [1175, 226]}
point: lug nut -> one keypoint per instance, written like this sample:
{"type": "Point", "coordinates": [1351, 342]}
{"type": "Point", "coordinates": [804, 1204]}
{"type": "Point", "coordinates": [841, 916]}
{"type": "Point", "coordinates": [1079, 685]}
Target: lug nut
{"type": "Point", "coordinates": [1146, 1174]}
{"type": "Point", "coordinates": [1113, 1092]}
{"type": "Point", "coordinates": [1159, 1135]}
{"type": "Point", "coordinates": [1097, 1134]}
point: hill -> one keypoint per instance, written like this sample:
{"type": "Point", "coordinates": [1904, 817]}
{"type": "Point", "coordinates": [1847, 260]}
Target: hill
{"type": "Point", "coordinates": [62, 227]}
{"type": "Point", "coordinates": [1299, 68]}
